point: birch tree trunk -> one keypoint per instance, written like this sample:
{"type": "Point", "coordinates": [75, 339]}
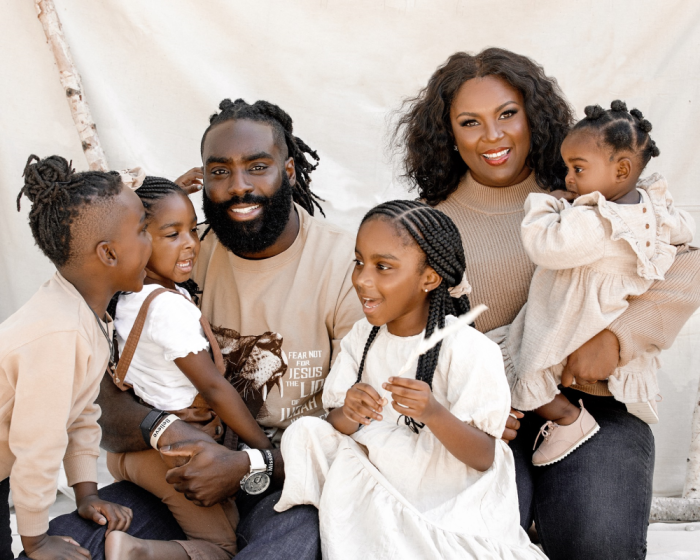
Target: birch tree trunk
{"type": "Point", "coordinates": [73, 86]}
{"type": "Point", "coordinates": [686, 508]}
{"type": "Point", "coordinates": [692, 474]}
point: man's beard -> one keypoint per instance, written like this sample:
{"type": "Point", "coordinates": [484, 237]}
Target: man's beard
{"type": "Point", "coordinates": [249, 238]}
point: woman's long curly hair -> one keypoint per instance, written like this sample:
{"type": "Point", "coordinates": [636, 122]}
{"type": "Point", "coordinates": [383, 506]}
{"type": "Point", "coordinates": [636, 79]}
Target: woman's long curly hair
{"type": "Point", "coordinates": [424, 130]}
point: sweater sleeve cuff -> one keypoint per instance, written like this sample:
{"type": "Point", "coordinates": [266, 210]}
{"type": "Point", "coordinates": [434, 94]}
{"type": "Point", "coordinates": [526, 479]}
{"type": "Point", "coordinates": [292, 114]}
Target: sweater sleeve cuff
{"type": "Point", "coordinates": [625, 340]}
{"type": "Point", "coordinates": [80, 468]}
{"type": "Point", "coordinates": [31, 523]}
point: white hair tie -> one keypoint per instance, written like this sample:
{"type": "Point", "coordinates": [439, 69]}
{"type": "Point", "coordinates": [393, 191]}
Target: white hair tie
{"type": "Point", "coordinates": [133, 178]}
{"type": "Point", "coordinates": [461, 289]}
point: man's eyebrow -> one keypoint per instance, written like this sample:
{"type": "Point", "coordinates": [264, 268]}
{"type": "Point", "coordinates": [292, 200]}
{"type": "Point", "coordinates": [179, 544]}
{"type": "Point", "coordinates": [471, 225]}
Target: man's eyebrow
{"type": "Point", "coordinates": [258, 155]}
{"type": "Point", "coordinates": [218, 159]}
{"type": "Point", "coordinates": [496, 111]}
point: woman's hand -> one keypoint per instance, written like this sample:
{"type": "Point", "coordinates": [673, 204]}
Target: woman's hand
{"type": "Point", "coordinates": [512, 425]}
{"type": "Point", "coordinates": [192, 181]}
{"type": "Point", "coordinates": [363, 403]}
{"type": "Point", "coordinates": [566, 195]}
{"type": "Point", "coordinates": [594, 361]}
{"type": "Point", "coordinates": [412, 398]}
{"type": "Point", "coordinates": [44, 547]}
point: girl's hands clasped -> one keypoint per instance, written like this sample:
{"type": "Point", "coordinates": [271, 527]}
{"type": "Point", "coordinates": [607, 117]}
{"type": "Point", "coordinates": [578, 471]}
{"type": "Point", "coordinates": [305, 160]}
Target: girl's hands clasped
{"type": "Point", "coordinates": [412, 398]}
{"type": "Point", "coordinates": [363, 404]}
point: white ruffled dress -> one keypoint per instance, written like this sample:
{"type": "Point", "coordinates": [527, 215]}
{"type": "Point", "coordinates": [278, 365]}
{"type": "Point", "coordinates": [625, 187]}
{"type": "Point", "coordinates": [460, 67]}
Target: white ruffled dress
{"type": "Point", "coordinates": [386, 492]}
{"type": "Point", "coordinates": [591, 256]}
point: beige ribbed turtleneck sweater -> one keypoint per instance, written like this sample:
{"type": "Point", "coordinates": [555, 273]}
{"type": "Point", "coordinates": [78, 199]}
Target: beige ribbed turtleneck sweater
{"type": "Point", "coordinates": [499, 270]}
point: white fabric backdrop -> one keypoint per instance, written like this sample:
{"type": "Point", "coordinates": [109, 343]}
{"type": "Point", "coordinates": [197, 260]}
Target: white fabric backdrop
{"type": "Point", "coordinates": [154, 71]}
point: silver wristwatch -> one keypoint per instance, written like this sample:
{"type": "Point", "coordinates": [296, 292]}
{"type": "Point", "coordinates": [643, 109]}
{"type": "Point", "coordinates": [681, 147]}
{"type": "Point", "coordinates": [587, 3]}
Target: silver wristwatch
{"type": "Point", "coordinates": [257, 480]}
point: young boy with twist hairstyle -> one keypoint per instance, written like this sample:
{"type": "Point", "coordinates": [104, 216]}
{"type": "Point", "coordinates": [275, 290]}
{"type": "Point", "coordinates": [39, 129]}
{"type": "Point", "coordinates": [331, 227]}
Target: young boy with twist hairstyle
{"type": "Point", "coordinates": [54, 350]}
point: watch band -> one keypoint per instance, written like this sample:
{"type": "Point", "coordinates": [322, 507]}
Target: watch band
{"type": "Point", "coordinates": [269, 460]}
{"type": "Point", "coordinates": [149, 422]}
{"type": "Point", "coordinates": [257, 460]}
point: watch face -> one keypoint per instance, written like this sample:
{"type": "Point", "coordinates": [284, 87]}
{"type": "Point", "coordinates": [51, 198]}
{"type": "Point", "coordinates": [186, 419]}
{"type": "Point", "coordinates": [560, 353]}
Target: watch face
{"type": "Point", "coordinates": [256, 483]}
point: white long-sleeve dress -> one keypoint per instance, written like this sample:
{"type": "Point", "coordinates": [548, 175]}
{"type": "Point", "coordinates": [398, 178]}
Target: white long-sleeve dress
{"type": "Point", "coordinates": [591, 255]}
{"type": "Point", "coordinates": [386, 492]}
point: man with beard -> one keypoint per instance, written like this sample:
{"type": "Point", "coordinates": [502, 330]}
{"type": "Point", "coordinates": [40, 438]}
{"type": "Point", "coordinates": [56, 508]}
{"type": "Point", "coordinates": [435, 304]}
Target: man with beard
{"type": "Point", "coordinates": [267, 269]}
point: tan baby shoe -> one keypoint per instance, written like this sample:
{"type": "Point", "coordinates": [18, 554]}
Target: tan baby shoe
{"type": "Point", "coordinates": [560, 441]}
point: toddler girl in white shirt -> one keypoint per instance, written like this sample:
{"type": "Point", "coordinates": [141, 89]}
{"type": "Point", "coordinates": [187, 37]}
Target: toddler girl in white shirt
{"type": "Point", "coordinates": [170, 368]}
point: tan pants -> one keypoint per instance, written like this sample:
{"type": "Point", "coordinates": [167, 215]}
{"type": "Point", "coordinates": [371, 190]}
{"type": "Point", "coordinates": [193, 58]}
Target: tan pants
{"type": "Point", "coordinates": [211, 531]}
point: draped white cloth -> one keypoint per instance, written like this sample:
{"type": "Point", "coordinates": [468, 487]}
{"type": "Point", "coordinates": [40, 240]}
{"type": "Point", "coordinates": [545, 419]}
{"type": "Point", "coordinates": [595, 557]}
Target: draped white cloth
{"type": "Point", "coordinates": [154, 71]}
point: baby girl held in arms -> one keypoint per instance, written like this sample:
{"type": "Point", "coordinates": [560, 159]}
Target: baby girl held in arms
{"type": "Point", "coordinates": [617, 236]}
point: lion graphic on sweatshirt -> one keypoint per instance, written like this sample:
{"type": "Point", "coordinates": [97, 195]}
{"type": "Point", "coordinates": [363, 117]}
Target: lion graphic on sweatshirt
{"type": "Point", "coordinates": [254, 365]}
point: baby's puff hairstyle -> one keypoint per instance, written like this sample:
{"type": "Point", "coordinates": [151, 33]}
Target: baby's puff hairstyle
{"type": "Point", "coordinates": [424, 130]}
{"type": "Point", "coordinates": [620, 130]}
{"type": "Point", "coordinates": [437, 236]}
{"type": "Point", "coordinates": [59, 196]}
{"type": "Point", "coordinates": [281, 123]}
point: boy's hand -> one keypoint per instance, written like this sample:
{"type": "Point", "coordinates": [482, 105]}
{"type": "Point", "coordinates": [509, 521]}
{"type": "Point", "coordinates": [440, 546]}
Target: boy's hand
{"type": "Point", "coordinates": [192, 181]}
{"type": "Point", "coordinates": [44, 547]}
{"type": "Point", "coordinates": [116, 517]}
{"type": "Point", "coordinates": [362, 402]}
{"type": "Point", "coordinates": [412, 398]}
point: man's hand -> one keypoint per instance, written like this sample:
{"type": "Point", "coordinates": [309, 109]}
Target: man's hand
{"type": "Point", "coordinates": [191, 181]}
{"type": "Point", "coordinates": [44, 547]}
{"type": "Point", "coordinates": [184, 432]}
{"type": "Point", "coordinates": [512, 425]}
{"type": "Point", "coordinates": [595, 361]}
{"type": "Point", "coordinates": [211, 474]}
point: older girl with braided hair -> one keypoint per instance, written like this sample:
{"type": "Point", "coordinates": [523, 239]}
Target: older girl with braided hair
{"type": "Point", "coordinates": [616, 237]}
{"type": "Point", "coordinates": [428, 476]}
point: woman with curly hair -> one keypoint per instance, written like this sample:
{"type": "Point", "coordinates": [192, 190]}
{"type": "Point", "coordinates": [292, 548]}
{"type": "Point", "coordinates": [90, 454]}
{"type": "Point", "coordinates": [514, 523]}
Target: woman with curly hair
{"type": "Point", "coordinates": [478, 139]}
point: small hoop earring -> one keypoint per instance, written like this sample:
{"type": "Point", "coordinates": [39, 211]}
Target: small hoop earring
{"type": "Point", "coordinates": [455, 148]}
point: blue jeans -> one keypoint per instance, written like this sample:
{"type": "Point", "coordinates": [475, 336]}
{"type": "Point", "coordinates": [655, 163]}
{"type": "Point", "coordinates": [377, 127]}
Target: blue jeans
{"type": "Point", "coordinates": [263, 534]}
{"type": "Point", "coordinates": [595, 503]}
{"type": "Point", "coordinates": [5, 530]}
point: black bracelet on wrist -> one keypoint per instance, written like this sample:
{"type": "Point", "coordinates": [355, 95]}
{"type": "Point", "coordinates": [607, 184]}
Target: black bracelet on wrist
{"type": "Point", "coordinates": [149, 422]}
{"type": "Point", "coordinates": [269, 460]}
